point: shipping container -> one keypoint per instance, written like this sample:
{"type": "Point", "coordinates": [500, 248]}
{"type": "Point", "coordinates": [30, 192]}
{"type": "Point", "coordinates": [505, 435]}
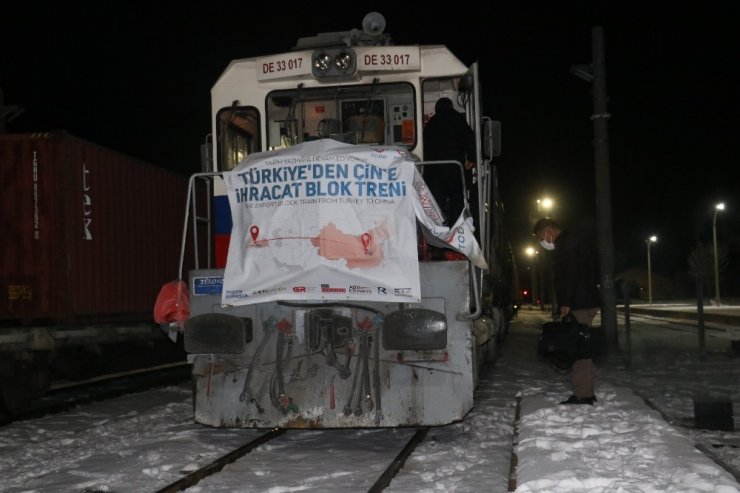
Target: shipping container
{"type": "Point", "coordinates": [89, 235]}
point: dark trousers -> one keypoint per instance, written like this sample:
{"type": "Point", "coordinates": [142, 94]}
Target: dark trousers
{"type": "Point", "coordinates": [583, 369]}
{"type": "Point", "coordinates": [446, 185]}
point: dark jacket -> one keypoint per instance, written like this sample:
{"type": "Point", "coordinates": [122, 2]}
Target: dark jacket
{"type": "Point", "coordinates": [574, 272]}
{"type": "Point", "coordinates": [447, 135]}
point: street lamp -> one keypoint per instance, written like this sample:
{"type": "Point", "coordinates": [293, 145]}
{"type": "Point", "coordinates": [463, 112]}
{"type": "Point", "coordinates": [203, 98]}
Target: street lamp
{"type": "Point", "coordinates": [531, 252]}
{"type": "Point", "coordinates": [717, 208]}
{"type": "Point", "coordinates": [544, 204]}
{"type": "Point", "coordinates": [649, 242]}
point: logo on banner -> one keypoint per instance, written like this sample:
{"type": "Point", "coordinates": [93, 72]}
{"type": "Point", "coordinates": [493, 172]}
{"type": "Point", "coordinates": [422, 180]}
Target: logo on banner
{"type": "Point", "coordinates": [326, 288]}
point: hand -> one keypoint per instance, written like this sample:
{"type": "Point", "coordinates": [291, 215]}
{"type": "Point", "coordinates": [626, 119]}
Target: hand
{"type": "Point", "coordinates": [469, 164]}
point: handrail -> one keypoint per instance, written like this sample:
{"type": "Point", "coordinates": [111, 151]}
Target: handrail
{"type": "Point", "coordinates": [462, 316]}
{"type": "Point", "coordinates": [190, 202]}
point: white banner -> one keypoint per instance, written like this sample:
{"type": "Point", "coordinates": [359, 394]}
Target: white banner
{"type": "Point", "coordinates": [325, 220]}
{"type": "Point", "coordinates": [459, 237]}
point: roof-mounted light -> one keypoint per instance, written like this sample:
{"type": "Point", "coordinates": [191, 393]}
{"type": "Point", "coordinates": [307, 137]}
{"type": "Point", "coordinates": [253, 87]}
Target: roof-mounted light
{"type": "Point", "coordinates": [321, 63]}
{"type": "Point", "coordinates": [343, 61]}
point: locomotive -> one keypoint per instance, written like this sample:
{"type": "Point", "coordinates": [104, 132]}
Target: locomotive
{"type": "Point", "coordinates": [334, 295]}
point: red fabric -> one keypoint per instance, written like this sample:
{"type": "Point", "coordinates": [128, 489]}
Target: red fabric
{"type": "Point", "coordinates": [450, 255]}
{"type": "Point", "coordinates": [173, 304]}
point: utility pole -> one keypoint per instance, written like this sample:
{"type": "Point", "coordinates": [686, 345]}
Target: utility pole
{"type": "Point", "coordinates": [603, 189]}
{"type": "Point", "coordinates": [596, 74]}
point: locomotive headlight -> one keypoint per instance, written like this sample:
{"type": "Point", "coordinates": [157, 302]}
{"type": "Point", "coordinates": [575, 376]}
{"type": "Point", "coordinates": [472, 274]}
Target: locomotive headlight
{"type": "Point", "coordinates": [343, 61]}
{"type": "Point", "coordinates": [333, 62]}
{"type": "Point", "coordinates": [321, 62]}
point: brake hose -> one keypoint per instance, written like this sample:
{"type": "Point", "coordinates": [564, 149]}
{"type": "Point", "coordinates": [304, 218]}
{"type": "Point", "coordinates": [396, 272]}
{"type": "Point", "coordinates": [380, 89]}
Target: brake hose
{"type": "Point", "coordinates": [348, 407]}
{"type": "Point", "coordinates": [268, 325]}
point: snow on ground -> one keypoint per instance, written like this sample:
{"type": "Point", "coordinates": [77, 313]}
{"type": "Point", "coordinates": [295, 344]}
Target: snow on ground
{"type": "Point", "coordinates": [130, 443]}
{"type": "Point", "coordinates": [618, 445]}
{"type": "Point", "coordinates": [615, 447]}
{"type": "Point", "coordinates": [336, 461]}
{"type": "Point", "coordinates": [621, 444]}
{"type": "Point", "coordinates": [142, 442]}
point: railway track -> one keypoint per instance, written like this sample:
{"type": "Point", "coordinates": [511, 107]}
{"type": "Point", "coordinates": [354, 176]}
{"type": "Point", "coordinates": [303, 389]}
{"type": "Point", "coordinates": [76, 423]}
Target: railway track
{"type": "Point", "coordinates": [64, 396]}
{"type": "Point", "coordinates": [217, 466]}
{"type": "Point", "coordinates": [160, 449]}
{"type": "Point", "coordinates": [724, 327]}
{"type": "Point", "coordinates": [707, 449]}
{"type": "Point", "coordinates": [717, 328]}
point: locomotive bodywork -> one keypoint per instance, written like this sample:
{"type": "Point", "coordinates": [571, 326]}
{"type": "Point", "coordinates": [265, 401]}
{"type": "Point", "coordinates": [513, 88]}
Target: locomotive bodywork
{"type": "Point", "coordinates": [315, 361]}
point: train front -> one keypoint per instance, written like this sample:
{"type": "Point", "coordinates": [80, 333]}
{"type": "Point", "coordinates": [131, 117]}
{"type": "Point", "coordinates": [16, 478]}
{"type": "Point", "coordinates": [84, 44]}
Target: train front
{"type": "Point", "coordinates": [323, 315]}
{"type": "Point", "coordinates": [338, 298]}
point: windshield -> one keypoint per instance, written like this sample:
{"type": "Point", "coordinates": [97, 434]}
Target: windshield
{"type": "Point", "coordinates": [367, 114]}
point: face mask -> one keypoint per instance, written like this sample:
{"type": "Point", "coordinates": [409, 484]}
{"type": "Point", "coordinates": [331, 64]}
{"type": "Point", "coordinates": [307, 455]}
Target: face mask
{"type": "Point", "coordinates": [547, 245]}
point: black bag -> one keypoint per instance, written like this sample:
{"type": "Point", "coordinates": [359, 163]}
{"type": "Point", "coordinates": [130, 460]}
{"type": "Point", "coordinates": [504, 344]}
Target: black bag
{"type": "Point", "coordinates": [565, 341]}
{"type": "Point", "coordinates": [598, 341]}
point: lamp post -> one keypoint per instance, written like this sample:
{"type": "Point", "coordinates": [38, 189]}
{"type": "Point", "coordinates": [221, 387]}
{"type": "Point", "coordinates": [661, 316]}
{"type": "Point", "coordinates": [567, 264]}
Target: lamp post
{"type": "Point", "coordinates": [649, 242]}
{"type": "Point", "coordinates": [717, 208]}
{"type": "Point", "coordinates": [545, 206]}
{"type": "Point", "coordinates": [532, 253]}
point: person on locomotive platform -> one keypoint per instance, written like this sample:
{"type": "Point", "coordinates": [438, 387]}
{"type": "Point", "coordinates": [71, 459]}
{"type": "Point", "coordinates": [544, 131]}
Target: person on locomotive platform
{"type": "Point", "coordinates": [447, 136]}
{"type": "Point", "coordinates": [576, 292]}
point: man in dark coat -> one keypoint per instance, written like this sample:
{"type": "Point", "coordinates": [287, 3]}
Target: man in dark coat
{"type": "Point", "coordinates": [576, 291]}
{"type": "Point", "coordinates": [448, 137]}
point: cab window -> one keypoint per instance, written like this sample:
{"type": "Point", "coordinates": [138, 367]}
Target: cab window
{"type": "Point", "coordinates": [238, 134]}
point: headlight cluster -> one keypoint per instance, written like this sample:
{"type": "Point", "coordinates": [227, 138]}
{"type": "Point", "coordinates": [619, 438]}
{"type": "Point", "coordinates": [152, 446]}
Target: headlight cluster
{"type": "Point", "coordinates": [333, 62]}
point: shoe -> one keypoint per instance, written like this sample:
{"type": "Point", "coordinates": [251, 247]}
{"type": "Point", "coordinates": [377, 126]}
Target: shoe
{"type": "Point", "coordinates": [580, 400]}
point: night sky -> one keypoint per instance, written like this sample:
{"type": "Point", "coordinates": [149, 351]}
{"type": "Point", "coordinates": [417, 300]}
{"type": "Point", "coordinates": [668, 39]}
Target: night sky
{"type": "Point", "coordinates": [136, 77]}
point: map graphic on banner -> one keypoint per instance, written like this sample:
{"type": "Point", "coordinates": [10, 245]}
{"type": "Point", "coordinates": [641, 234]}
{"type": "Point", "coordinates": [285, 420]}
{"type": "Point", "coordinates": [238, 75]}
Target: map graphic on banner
{"type": "Point", "coordinates": [325, 220]}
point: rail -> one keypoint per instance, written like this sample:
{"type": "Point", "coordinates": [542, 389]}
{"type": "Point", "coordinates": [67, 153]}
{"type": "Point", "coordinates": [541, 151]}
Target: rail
{"type": "Point", "coordinates": [217, 465]}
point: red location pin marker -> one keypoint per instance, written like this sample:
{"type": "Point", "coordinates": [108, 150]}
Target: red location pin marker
{"type": "Point", "coordinates": [254, 231]}
{"type": "Point", "coordinates": [365, 237]}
